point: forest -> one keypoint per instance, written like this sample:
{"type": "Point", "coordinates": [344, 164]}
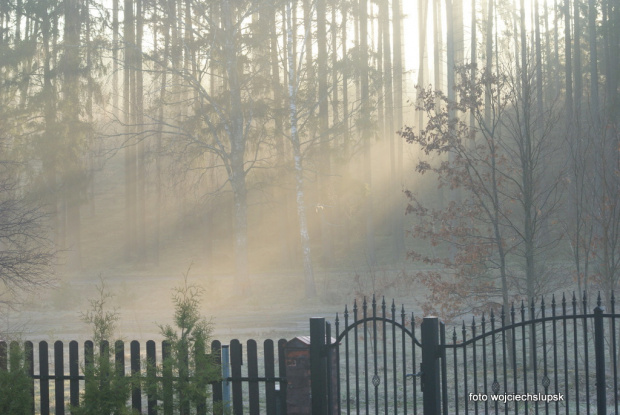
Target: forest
{"type": "Point", "coordinates": [471, 147]}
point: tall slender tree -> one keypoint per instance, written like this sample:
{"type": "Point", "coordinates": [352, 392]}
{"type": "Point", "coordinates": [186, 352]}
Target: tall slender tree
{"type": "Point", "coordinates": [325, 182]}
{"type": "Point", "coordinates": [569, 62]}
{"type": "Point", "coordinates": [74, 130]}
{"type": "Point", "coordinates": [293, 89]}
{"type": "Point", "coordinates": [398, 85]}
{"type": "Point", "coordinates": [365, 131]}
{"type": "Point", "coordinates": [594, 75]}
{"type": "Point", "coordinates": [141, 145]}
{"type": "Point", "coordinates": [129, 100]}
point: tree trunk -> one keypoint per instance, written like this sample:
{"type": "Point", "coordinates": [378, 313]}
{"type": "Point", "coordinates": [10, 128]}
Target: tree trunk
{"type": "Point", "coordinates": [141, 156]}
{"type": "Point", "coordinates": [89, 108]}
{"type": "Point", "coordinates": [345, 91]}
{"type": "Point", "coordinates": [458, 36]}
{"type": "Point", "coordinates": [549, 75]}
{"type": "Point", "coordinates": [72, 180]}
{"type": "Point", "coordinates": [324, 162]}
{"type": "Point", "coordinates": [129, 95]}
{"type": "Point", "coordinates": [365, 113]}
{"type": "Point", "coordinates": [49, 159]}
{"type": "Point", "coordinates": [422, 75]}
{"type": "Point", "coordinates": [594, 99]}
{"type": "Point", "coordinates": [398, 119]}
{"type": "Point", "coordinates": [237, 151]}
{"type": "Point", "coordinates": [525, 148]}
{"type": "Point", "coordinates": [394, 196]}
{"type": "Point", "coordinates": [282, 206]}
{"type": "Point", "coordinates": [569, 63]}
{"type": "Point", "coordinates": [578, 75]}
{"type": "Point", "coordinates": [299, 173]}
{"type": "Point", "coordinates": [438, 45]}
{"type": "Point", "coordinates": [489, 62]}
{"type": "Point", "coordinates": [539, 64]}
{"type": "Point", "coordinates": [473, 61]}
{"type": "Point", "coordinates": [115, 93]}
{"type": "Point", "coordinates": [527, 183]}
{"type": "Point", "coordinates": [240, 225]}
{"type": "Point", "coordinates": [556, 45]}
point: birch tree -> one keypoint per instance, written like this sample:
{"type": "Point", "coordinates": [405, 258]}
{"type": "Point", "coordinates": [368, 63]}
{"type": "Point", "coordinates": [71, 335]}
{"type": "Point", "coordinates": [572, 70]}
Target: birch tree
{"type": "Point", "coordinates": [293, 90]}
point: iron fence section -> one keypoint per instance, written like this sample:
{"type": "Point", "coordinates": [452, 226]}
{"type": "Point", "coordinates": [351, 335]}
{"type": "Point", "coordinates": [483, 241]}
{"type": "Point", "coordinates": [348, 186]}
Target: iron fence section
{"type": "Point", "coordinates": [534, 360]}
{"type": "Point", "coordinates": [553, 359]}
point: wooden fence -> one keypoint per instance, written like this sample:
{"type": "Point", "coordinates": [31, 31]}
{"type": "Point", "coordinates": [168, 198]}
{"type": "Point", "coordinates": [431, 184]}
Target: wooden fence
{"type": "Point", "coordinates": [257, 385]}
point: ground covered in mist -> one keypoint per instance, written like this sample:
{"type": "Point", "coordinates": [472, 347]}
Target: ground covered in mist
{"type": "Point", "coordinates": [275, 309]}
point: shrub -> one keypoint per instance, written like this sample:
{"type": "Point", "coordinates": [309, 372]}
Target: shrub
{"type": "Point", "coordinates": [106, 389]}
{"type": "Point", "coordinates": [16, 384]}
{"type": "Point", "coordinates": [187, 370]}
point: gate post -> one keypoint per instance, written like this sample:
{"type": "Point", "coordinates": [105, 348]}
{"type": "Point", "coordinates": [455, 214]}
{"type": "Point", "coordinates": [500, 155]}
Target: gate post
{"type": "Point", "coordinates": [599, 352]}
{"type": "Point", "coordinates": [318, 366]}
{"type": "Point", "coordinates": [431, 396]}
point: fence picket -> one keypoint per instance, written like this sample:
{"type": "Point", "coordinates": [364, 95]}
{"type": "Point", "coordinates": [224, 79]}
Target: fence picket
{"type": "Point", "coordinates": [504, 357]}
{"type": "Point", "coordinates": [252, 351]}
{"type": "Point", "coordinates": [555, 352]}
{"type": "Point", "coordinates": [167, 381]}
{"type": "Point", "coordinates": [74, 373]}
{"type": "Point", "coordinates": [29, 361]}
{"type": "Point", "coordinates": [59, 383]}
{"type": "Point", "coordinates": [199, 352]}
{"type": "Point", "coordinates": [485, 382]}
{"type": "Point", "coordinates": [414, 367]}
{"type": "Point", "coordinates": [151, 373]}
{"type": "Point", "coordinates": [119, 361]}
{"type": "Point", "coordinates": [545, 379]}
{"type": "Point", "coordinates": [45, 380]}
{"type": "Point", "coordinates": [614, 351]}
{"type": "Point", "coordinates": [216, 351]}
{"type": "Point", "coordinates": [575, 351]}
{"type": "Point", "coordinates": [282, 375]}
{"type": "Point", "coordinates": [183, 380]}
{"type": "Point", "coordinates": [465, 371]}
{"type": "Point", "coordinates": [270, 385]}
{"type": "Point", "coordinates": [136, 392]}
{"type": "Point", "coordinates": [13, 356]}
{"type": "Point", "coordinates": [444, 368]}
{"type": "Point", "coordinates": [599, 340]}
{"type": "Point", "coordinates": [564, 330]}
{"type": "Point", "coordinates": [534, 357]}
{"type": "Point", "coordinates": [89, 358]}
{"type": "Point", "coordinates": [235, 370]}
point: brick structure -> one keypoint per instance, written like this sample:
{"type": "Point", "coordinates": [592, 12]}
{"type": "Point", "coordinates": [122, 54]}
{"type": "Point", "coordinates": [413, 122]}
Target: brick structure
{"type": "Point", "coordinates": [299, 396]}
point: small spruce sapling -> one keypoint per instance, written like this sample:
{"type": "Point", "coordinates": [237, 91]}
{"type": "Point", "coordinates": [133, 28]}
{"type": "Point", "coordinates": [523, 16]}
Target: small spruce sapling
{"type": "Point", "coordinates": [188, 369]}
{"type": "Point", "coordinates": [107, 389]}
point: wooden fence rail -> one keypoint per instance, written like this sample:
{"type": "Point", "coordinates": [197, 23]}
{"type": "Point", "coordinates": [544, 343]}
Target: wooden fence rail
{"type": "Point", "coordinates": [251, 391]}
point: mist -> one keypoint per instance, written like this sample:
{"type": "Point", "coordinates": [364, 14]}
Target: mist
{"type": "Point", "coordinates": [290, 157]}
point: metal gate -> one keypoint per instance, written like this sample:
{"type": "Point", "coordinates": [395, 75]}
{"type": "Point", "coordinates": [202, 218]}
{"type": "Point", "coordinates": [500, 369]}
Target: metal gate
{"type": "Point", "coordinates": [373, 363]}
{"type": "Point", "coordinates": [557, 359]}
